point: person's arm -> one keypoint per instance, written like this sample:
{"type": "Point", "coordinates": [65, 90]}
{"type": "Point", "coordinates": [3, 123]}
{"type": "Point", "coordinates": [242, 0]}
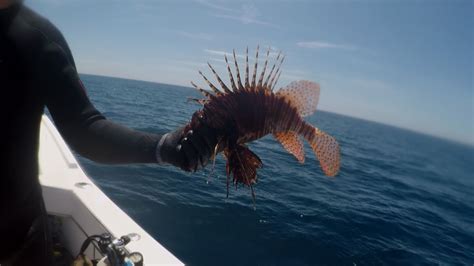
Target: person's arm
{"type": "Point", "coordinates": [86, 130]}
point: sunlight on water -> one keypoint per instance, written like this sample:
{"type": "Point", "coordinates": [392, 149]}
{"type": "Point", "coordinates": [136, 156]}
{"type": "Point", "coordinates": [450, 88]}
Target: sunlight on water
{"type": "Point", "coordinates": [400, 198]}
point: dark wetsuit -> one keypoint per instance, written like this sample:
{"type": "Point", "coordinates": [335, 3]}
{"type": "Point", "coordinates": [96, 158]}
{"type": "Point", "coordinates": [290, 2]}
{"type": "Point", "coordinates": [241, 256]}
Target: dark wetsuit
{"type": "Point", "coordinates": [37, 70]}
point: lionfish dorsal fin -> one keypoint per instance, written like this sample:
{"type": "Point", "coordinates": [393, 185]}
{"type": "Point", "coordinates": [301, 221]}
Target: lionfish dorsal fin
{"type": "Point", "coordinates": [265, 85]}
{"type": "Point", "coordinates": [327, 151]}
{"type": "Point", "coordinates": [262, 75]}
{"type": "Point", "coordinates": [203, 92]}
{"type": "Point", "coordinates": [276, 80]}
{"type": "Point", "coordinates": [302, 95]}
{"type": "Point", "coordinates": [239, 80]}
{"type": "Point", "coordinates": [198, 101]}
{"type": "Point", "coordinates": [247, 84]}
{"type": "Point", "coordinates": [254, 75]}
{"type": "Point", "coordinates": [223, 86]}
{"type": "Point", "coordinates": [231, 77]}
{"type": "Point", "coordinates": [292, 143]}
{"type": "Point", "coordinates": [276, 76]}
{"type": "Point", "coordinates": [213, 88]}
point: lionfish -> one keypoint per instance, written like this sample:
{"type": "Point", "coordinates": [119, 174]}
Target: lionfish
{"type": "Point", "coordinates": [244, 112]}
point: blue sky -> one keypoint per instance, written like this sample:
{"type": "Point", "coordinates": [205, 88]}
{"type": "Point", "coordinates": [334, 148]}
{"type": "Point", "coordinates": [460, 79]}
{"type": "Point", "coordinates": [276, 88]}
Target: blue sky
{"type": "Point", "coordinates": [405, 63]}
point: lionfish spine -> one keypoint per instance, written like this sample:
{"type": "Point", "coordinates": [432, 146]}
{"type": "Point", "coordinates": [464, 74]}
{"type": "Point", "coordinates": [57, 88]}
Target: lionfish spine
{"type": "Point", "coordinates": [231, 77]}
{"type": "Point", "coordinates": [277, 73]}
{"type": "Point", "coordinates": [254, 75]}
{"type": "Point", "coordinates": [223, 86]}
{"type": "Point", "coordinates": [214, 88]}
{"type": "Point", "coordinates": [239, 81]}
{"type": "Point", "coordinates": [204, 92]}
{"type": "Point", "coordinates": [276, 80]}
{"type": "Point", "coordinates": [262, 75]}
{"type": "Point", "coordinates": [271, 71]}
{"type": "Point", "coordinates": [247, 85]}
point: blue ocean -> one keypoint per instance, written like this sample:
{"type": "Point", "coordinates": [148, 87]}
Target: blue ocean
{"type": "Point", "coordinates": [401, 198]}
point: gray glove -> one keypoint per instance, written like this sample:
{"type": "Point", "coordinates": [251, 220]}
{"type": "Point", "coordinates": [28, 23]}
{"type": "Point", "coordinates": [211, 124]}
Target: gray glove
{"type": "Point", "coordinates": [187, 150]}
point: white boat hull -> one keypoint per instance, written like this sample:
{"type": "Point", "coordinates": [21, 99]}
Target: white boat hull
{"type": "Point", "coordinates": [82, 207]}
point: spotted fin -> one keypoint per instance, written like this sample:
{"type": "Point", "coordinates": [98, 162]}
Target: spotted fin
{"type": "Point", "coordinates": [327, 151]}
{"type": "Point", "coordinates": [291, 143]}
{"type": "Point", "coordinates": [303, 95]}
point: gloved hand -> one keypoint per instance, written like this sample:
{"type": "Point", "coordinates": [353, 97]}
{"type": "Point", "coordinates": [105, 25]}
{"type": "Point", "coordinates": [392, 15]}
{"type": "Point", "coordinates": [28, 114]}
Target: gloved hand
{"type": "Point", "coordinates": [187, 150]}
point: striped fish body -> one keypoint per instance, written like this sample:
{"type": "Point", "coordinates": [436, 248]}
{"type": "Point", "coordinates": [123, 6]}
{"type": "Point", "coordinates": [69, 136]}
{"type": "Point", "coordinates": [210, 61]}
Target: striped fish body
{"type": "Point", "coordinates": [244, 113]}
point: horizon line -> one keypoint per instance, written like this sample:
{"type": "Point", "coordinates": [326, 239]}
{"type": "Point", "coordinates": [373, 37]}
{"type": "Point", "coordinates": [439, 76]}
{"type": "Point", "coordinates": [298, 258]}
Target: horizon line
{"type": "Point", "coordinates": [455, 141]}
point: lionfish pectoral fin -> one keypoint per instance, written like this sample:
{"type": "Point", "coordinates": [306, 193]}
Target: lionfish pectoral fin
{"type": "Point", "coordinates": [327, 150]}
{"type": "Point", "coordinates": [249, 163]}
{"type": "Point", "coordinates": [242, 163]}
{"type": "Point", "coordinates": [302, 95]}
{"type": "Point", "coordinates": [256, 161]}
{"type": "Point", "coordinates": [292, 143]}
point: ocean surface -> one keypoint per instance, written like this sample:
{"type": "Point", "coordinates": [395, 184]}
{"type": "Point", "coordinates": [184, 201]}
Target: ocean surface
{"type": "Point", "coordinates": [401, 198]}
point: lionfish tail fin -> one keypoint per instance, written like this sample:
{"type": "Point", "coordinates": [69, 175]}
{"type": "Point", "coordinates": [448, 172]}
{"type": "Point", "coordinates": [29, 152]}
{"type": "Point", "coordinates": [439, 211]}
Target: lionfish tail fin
{"type": "Point", "coordinates": [327, 151]}
{"type": "Point", "coordinates": [302, 95]}
{"type": "Point", "coordinates": [292, 143]}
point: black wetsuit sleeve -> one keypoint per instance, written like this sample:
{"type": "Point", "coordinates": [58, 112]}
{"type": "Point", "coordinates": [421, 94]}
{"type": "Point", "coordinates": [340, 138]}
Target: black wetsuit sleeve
{"type": "Point", "coordinates": [83, 127]}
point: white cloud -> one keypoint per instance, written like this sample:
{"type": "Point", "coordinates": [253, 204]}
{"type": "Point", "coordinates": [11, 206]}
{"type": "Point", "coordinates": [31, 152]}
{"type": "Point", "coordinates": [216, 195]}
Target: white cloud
{"type": "Point", "coordinates": [272, 48]}
{"type": "Point", "coordinates": [213, 5]}
{"type": "Point", "coordinates": [196, 35]}
{"type": "Point", "coordinates": [324, 45]}
{"type": "Point", "coordinates": [246, 19]}
{"type": "Point", "coordinates": [247, 14]}
{"type": "Point", "coordinates": [222, 53]}
{"type": "Point", "coordinates": [219, 60]}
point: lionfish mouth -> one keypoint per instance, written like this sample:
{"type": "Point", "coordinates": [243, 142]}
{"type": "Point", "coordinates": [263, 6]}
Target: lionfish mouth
{"type": "Point", "coordinates": [245, 111]}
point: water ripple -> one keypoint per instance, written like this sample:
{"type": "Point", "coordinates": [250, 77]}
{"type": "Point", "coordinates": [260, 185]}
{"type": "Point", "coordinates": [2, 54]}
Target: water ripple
{"type": "Point", "coordinates": [400, 198]}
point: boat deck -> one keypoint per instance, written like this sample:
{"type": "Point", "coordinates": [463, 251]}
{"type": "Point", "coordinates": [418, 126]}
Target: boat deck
{"type": "Point", "coordinates": [82, 208]}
